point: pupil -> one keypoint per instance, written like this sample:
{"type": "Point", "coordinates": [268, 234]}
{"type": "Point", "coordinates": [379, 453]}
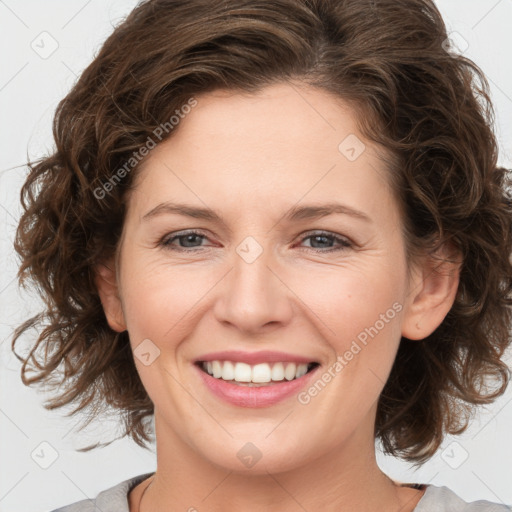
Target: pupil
{"type": "Point", "coordinates": [320, 237]}
{"type": "Point", "coordinates": [190, 238]}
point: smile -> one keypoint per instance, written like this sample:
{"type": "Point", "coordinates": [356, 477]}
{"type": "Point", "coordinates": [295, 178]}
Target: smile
{"type": "Point", "coordinates": [255, 383]}
{"type": "Point", "coordinates": [255, 375]}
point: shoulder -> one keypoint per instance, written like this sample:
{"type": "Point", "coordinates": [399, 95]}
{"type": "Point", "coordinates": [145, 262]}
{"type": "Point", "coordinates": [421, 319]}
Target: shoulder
{"type": "Point", "coordinates": [113, 499]}
{"type": "Point", "coordinates": [442, 499]}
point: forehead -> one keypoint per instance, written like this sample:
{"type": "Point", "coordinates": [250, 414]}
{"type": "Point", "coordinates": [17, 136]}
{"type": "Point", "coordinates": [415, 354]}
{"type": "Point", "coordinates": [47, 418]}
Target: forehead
{"type": "Point", "coordinates": [274, 147]}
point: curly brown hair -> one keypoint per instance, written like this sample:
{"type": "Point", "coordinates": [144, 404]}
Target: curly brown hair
{"type": "Point", "coordinates": [426, 104]}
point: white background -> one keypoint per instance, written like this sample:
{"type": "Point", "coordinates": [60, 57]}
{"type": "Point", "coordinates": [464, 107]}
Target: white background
{"type": "Point", "coordinates": [478, 466]}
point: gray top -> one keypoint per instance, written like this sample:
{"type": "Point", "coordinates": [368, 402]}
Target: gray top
{"type": "Point", "coordinates": [435, 499]}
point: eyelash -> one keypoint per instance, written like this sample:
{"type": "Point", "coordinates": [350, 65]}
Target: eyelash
{"type": "Point", "coordinates": [343, 242]}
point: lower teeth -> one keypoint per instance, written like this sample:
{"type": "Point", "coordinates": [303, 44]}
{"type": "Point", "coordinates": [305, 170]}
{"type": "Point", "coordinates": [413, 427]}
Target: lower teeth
{"type": "Point", "coordinates": [254, 384]}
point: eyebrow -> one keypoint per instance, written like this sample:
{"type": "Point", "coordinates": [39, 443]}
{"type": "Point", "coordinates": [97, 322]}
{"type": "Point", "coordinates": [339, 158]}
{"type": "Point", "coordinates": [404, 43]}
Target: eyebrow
{"type": "Point", "coordinates": [307, 212]}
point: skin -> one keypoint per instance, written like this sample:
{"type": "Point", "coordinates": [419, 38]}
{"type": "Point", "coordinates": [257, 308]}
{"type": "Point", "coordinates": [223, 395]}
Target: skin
{"type": "Point", "coordinates": [250, 158]}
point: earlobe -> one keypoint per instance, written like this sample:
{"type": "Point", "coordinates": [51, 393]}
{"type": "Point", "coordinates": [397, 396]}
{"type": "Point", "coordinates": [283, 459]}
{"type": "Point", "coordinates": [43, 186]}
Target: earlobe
{"type": "Point", "coordinates": [106, 284]}
{"type": "Point", "coordinates": [432, 293]}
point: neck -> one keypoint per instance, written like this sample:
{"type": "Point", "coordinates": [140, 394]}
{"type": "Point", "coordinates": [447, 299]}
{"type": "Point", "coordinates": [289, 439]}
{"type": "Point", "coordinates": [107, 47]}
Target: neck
{"type": "Point", "coordinates": [347, 478]}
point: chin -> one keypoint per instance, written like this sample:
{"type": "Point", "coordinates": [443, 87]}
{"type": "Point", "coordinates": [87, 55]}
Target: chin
{"type": "Point", "coordinates": [255, 457]}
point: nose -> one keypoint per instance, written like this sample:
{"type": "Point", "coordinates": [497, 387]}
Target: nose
{"type": "Point", "coordinates": [254, 297]}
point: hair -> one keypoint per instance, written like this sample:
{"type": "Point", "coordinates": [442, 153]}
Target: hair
{"type": "Point", "coordinates": [426, 104]}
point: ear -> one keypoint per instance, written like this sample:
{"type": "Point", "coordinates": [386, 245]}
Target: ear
{"type": "Point", "coordinates": [432, 291]}
{"type": "Point", "coordinates": [106, 284]}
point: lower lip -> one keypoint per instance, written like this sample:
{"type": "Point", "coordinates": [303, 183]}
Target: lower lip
{"type": "Point", "coordinates": [256, 396]}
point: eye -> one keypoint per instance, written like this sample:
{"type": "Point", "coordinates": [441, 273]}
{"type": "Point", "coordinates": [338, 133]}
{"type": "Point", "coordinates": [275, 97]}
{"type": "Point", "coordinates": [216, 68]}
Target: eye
{"type": "Point", "coordinates": [189, 239]}
{"type": "Point", "coordinates": [321, 241]}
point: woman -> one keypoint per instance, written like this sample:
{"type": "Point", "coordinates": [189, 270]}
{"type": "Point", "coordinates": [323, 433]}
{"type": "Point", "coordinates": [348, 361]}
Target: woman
{"type": "Point", "coordinates": [279, 228]}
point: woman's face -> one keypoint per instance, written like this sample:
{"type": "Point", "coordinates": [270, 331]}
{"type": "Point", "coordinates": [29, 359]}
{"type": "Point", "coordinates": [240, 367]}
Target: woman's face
{"type": "Point", "coordinates": [297, 257]}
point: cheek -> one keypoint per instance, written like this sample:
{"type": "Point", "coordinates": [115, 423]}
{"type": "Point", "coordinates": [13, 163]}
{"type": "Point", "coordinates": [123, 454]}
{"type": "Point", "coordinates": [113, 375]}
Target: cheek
{"type": "Point", "coordinates": [358, 312]}
{"type": "Point", "coordinates": [349, 302]}
{"type": "Point", "coordinates": [159, 299]}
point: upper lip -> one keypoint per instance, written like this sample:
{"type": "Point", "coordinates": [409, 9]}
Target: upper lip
{"type": "Point", "coordinates": [264, 356]}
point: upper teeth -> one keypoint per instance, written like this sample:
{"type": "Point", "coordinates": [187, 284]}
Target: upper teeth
{"type": "Point", "coordinates": [260, 373]}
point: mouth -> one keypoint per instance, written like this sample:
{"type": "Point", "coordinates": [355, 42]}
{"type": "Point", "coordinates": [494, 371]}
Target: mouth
{"type": "Point", "coordinates": [256, 375]}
